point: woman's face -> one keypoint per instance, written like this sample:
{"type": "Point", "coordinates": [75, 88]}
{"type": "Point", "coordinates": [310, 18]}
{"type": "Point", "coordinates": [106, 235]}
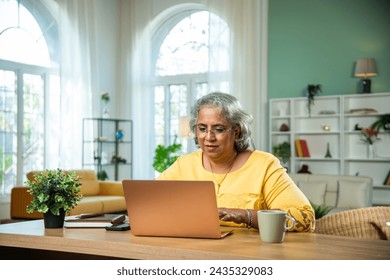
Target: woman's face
{"type": "Point", "coordinates": [215, 135]}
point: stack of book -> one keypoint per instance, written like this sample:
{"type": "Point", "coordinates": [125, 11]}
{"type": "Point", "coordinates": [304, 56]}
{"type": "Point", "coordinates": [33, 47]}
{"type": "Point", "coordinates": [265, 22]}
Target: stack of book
{"type": "Point", "coordinates": [302, 150]}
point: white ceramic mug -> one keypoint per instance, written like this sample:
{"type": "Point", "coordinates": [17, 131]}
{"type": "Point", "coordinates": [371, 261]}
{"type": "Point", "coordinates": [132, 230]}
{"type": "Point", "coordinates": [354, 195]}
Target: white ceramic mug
{"type": "Point", "coordinates": [273, 224]}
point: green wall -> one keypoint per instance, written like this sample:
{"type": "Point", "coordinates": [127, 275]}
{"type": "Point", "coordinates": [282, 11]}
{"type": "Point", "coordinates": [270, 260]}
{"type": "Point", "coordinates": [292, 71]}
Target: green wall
{"type": "Point", "coordinates": [318, 41]}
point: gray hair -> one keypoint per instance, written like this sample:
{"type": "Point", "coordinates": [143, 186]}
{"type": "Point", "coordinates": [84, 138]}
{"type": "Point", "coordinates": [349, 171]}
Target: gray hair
{"type": "Point", "coordinates": [231, 111]}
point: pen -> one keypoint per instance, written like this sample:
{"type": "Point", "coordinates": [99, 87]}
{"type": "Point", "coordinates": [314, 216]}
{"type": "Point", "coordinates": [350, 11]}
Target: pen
{"type": "Point", "coordinates": [88, 215]}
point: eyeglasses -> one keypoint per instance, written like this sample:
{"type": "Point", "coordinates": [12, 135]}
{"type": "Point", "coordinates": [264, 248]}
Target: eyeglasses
{"type": "Point", "coordinates": [217, 131]}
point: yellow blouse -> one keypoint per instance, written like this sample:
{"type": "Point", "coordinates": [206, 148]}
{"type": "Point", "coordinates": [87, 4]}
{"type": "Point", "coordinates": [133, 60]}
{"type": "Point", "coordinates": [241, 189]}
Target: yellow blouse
{"type": "Point", "coordinates": [261, 183]}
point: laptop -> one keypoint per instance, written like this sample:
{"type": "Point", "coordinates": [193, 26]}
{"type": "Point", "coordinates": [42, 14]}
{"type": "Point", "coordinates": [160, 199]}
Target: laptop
{"type": "Point", "coordinates": [172, 208]}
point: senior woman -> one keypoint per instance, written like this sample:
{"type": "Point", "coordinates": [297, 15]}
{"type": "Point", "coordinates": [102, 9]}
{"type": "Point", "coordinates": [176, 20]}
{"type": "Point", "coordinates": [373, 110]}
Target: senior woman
{"type": "Point", "coordinates": [245, 180]}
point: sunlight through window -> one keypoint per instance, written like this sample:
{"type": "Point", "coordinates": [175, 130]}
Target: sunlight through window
{"type": "Point", "coordinates": [21, 39]}
{"type": "Point", "coordinates": [195, 47]}
{"type": "Point", "coordinates": [186, 49]}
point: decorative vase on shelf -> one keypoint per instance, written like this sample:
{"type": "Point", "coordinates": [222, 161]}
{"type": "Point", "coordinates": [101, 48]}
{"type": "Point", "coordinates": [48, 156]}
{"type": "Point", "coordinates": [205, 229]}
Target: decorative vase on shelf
{"type": "Point", "coordinates": [105, 112]}
{"type": "Point", "coordinates": [370, 151]}
{"type": "Point", "coordinates": [119, 135]}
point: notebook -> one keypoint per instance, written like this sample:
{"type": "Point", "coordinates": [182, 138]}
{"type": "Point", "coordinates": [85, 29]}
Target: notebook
{"type": "Point", "coordinates": [93, 220]}
{"type": "Point", "coordinates": [172, 208]}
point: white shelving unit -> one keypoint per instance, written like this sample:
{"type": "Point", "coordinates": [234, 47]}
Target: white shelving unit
{"type": "Point", "coordinates": [349, 153]}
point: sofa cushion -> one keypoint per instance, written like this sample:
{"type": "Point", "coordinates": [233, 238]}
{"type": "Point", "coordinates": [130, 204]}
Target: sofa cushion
{"type": "Point", "coordinates": [88, 204]}
{"type": "Point", "coordinates": [113, 203]}
{"type": "Point", "coordinates": [314, 191]}
{"type": "Point", "coordinates": [332, 188]}
{"type": "Point", "coordinates": [100, 204]}
{"type": "Point", "coordinates": [351, 194]}
{"type": "Point", "coordinates": [89, 183]}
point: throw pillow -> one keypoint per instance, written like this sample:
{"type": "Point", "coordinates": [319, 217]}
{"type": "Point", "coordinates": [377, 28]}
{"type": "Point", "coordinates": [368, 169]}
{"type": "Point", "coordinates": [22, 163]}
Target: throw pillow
{"type": "Point", "coordinates": [314, 191]}
{"type": "Point", "coordinates": [352, 194]}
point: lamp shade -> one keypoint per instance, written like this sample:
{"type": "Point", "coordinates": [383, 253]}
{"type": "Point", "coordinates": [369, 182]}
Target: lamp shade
{"type": "Point", "coordinates": [365, 67]}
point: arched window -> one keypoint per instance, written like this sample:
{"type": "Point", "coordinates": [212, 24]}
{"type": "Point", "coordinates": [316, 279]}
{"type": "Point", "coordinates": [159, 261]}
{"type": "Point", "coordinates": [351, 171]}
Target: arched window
{"type": "Point", "coordinates": [26, 77]}
{"type": "Point", "coordinates": [19, 29]}
{"type": "Point", "coordinates": [184, 49]}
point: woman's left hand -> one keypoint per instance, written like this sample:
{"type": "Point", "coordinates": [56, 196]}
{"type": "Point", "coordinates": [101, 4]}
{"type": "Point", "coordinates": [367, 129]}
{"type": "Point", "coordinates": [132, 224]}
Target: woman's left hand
{"type": "Point", "coordinates": [238, 216]}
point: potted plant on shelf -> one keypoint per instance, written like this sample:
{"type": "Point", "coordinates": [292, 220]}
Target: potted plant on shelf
{"type": "Point", "coordinates": [382, 123]}
{"type": "Point", "coordinates": [283, 152]}
{"type": "Point", "coordinates": [55, 193]}
{"type": "Point", "coordinates": [105, 97]}
{"type": "Point", "coordinates": [312, 91]}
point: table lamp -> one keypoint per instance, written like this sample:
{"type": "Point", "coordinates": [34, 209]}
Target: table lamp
{"type": "Point", "coordinates": [364, 68]}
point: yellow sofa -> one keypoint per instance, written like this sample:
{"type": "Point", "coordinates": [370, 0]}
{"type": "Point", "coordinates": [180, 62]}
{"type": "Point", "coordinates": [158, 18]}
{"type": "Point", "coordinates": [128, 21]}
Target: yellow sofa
{"type": "Point", "coordinates": [98, 197]}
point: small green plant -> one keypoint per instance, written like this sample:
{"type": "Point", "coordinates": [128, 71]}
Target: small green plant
{"type": "Point", "coordinates": [165, 156]}
{"type": "Point", "coordinates": [383, 122]}
{"type": "Point", "coordinates": [102, 175]}
{"type": "Point", "coordinates": [320, 210]}
{"type": "Point", "coordinates": [105, 97]}
{"type": "Point", "coordinates": [282, 151]}
{"type": "Point", "coordinates": [312, 91]}
{"type": "Point", "coordinates": [53, 190]}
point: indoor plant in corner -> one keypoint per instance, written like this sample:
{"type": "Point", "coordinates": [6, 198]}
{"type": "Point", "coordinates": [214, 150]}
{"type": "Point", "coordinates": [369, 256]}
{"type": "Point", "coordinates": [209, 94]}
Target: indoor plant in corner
{"type": "Point", "coordinates": [55, 193]}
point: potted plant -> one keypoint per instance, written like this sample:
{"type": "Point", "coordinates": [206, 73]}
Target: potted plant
{"type": "Point", "coordinates": [105, 97]}
{"type": "Point", "coordinates": [320, 210]}
{"type": "Point", "coordinates": [382, 123]}
{"type": "Point", "coordinates": [165, 156]}
{"type": "Point", "coordinates": [369, 137]}
{"type": "Point", "coordinates": [55, 193]}
{"type": "Point", "coordinates": [102, 175]}
{"type": "Point", "coordinates": [312, 91]}
{"type": "Point", "coordinates": [282, 151]}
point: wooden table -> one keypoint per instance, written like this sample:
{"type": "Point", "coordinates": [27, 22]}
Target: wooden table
{"type": "Point", "coordinates": [30, 240]}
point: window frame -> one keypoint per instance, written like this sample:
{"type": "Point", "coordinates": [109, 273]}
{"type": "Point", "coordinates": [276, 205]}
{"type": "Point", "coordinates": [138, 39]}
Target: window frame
{"type": "Point", "coordinates": [45, 14]}
{"type": "Point", "coordinates": [20, 69]}
{"type": "Point", "coordinates": [158, 36]}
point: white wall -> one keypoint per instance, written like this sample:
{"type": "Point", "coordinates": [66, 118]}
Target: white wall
{"type": "Point", "coordinates": [106, 50]}
{"type": "Point", "coordinates": [4, 207]}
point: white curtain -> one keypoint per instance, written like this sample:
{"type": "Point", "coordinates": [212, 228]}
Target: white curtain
{"type": "Point", "coordinates": [247, 20]}
{"type": "Point", "coordinates": [77, 31]}
{"type": "Point", "coordinates": [134, 96]}
{"type": "Point", "coordinates": [134, 80]}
